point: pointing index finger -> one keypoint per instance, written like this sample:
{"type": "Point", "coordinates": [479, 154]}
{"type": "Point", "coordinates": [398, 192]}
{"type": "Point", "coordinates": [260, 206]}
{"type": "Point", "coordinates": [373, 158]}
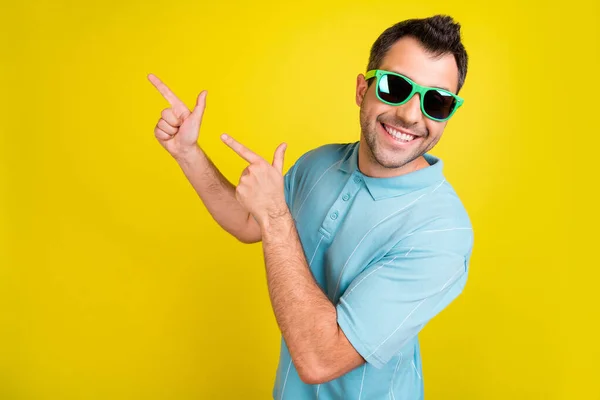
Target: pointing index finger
{"type": "Point", "coordinates": [166, 92]}
{"type": "Point", "coordinates": [242, 150]}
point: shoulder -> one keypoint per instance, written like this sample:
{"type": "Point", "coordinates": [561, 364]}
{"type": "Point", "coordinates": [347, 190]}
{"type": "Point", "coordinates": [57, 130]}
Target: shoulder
{"type": "Point", "coordinates": [311, 166]}
{"type": "Point", "coordinates": [445, 205]}
{"type": "Point", "coordinates": [440, 220]}
{"type": "Point", "coordinates": [323, 157]}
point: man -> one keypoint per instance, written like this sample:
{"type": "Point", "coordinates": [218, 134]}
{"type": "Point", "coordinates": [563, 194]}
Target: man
{"type": "Point", "coordinates": [363, 242]}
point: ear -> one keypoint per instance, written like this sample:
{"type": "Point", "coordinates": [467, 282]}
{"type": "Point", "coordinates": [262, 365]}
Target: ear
{"type": "Point", "coordinates": [361, 89]}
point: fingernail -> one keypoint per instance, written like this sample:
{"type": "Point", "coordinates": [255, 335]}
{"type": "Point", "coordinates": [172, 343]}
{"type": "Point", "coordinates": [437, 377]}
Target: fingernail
{"type": "Point", "coordinates": [224, 137]}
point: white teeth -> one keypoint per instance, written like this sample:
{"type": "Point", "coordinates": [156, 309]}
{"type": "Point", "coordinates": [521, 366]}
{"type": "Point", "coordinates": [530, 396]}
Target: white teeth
{"type": "Point", "coordinates": [397, 135]}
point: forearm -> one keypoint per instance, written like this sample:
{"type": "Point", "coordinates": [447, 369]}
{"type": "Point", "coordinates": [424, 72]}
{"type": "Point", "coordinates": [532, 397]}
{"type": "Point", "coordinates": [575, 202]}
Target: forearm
{"type": "Point", "coordinates": [218, 196]}
{"type": "Point", "coordinates": [306, 317]}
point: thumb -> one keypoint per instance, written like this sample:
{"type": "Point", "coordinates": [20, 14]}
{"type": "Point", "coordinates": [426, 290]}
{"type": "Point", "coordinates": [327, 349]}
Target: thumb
{"type": "Point", "coordinates": [278, 157]}
{"type": "Point", "coordinates": [198, 111]}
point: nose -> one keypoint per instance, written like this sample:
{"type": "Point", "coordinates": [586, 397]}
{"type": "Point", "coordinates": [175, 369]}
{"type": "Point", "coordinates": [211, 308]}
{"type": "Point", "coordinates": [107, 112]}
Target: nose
{"type": "Point", "coordinates": [410, 112]}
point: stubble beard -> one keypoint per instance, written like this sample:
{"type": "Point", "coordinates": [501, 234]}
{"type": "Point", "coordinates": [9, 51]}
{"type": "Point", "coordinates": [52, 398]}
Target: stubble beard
{"type": "Point", "coordinates": [376, 154]}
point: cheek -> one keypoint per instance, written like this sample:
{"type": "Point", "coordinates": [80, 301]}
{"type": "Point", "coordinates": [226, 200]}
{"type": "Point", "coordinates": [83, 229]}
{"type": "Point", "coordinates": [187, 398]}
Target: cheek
{"type": "Point", "coordinates": [373, 108]}
{"type": "Point", "coordinates": [367, 114]}
{"type": "Point", "coordinates": [434, 128]}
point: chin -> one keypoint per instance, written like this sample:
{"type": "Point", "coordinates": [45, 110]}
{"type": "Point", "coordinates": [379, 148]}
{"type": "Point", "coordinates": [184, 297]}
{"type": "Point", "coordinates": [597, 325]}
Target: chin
{"type": "Point", "coordinates": [392, 164]}
{"type": "Point", "coordinates": [386, 157]}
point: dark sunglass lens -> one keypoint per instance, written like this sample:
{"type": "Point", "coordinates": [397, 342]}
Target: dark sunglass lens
{"type": "Point", "coordinates": [393, 88]}
{"type": "Point", "coordinates": [438, 104]}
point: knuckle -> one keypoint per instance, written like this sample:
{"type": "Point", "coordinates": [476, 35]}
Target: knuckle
{"type": "Point", "coordinates": [183, 114]}
{"type": "Point", "coordinates": [161, 133]}
{"type": "Point", "coordinates": [169, 115]}
{"type": "Point", "coordinates": [165, 126]}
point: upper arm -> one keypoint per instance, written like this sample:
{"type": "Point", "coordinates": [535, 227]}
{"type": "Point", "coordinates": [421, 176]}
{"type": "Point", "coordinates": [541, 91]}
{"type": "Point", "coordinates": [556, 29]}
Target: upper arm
{"type": "Point", "coordinates": [392, 299]}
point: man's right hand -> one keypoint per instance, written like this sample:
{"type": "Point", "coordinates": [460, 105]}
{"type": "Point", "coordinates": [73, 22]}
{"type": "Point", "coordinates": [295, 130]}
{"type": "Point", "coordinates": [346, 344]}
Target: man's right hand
{"type": "Point", "coordinates": [177, 130]}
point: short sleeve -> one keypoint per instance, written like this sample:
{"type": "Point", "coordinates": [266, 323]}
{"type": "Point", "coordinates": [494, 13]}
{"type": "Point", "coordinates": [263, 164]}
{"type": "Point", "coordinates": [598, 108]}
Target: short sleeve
{"type": "Point", "coordinates": [391, 300]}
{"type": "Point", "coordinates": [290, 180]}
{"type": "Point", "coordinates": [288, 184]}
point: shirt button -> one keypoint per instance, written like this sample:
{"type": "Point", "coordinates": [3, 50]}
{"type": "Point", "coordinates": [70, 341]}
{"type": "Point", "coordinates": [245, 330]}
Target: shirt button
{"type": "Point", "coordinates": [346, 197]}
{"type": "Point", "coordinates": [334, 215]}
{"type": "Point", "coordinates": [357, 179]}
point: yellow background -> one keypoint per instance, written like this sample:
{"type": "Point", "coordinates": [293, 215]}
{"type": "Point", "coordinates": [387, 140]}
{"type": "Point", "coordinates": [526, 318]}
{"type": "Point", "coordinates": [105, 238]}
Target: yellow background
{"type": "Point", "coordinates": [115, 282]}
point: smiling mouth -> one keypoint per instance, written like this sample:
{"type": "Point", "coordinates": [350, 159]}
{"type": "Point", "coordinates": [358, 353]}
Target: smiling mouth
{"type": "Point", "coordinates": [399, 136]}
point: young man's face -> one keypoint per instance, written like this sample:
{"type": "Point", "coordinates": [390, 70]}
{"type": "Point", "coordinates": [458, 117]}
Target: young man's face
{"type": "Point", "coordinates": [381, 153]}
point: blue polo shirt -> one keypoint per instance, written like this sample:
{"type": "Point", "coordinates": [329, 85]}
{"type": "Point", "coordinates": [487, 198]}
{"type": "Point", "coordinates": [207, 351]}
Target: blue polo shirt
{"type": "Point", "coordinates": [390, 254]}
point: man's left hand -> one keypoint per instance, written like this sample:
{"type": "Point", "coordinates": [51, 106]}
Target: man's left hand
{"type": "Point", "coordinates": [261, 186]}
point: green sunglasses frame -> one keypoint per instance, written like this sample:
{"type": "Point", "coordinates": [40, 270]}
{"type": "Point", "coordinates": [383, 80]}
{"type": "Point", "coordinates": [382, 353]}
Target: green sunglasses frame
{"type": "Point", "coordinates": [416, 88]}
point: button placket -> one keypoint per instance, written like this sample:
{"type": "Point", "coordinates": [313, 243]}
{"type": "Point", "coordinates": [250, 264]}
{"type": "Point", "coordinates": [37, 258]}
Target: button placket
{"type": "Point", "coordinates": [342, 204]}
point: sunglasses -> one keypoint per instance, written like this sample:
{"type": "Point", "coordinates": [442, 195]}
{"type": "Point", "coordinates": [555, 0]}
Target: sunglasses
{"type": "Point", "coordinates": [395, 89]}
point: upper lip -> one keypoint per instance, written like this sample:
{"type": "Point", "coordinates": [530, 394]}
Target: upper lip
{"type": "Point", "coordinates": [400, 130]}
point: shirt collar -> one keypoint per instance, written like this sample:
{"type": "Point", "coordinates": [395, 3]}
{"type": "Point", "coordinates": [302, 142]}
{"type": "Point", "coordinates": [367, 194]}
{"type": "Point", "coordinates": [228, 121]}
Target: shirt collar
{"type": "Point", "coordinates": [383, 188]}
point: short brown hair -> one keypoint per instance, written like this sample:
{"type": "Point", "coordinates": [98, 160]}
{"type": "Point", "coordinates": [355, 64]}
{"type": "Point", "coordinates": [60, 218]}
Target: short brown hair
{"type": "Point", "coordinates": [438, 34]}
